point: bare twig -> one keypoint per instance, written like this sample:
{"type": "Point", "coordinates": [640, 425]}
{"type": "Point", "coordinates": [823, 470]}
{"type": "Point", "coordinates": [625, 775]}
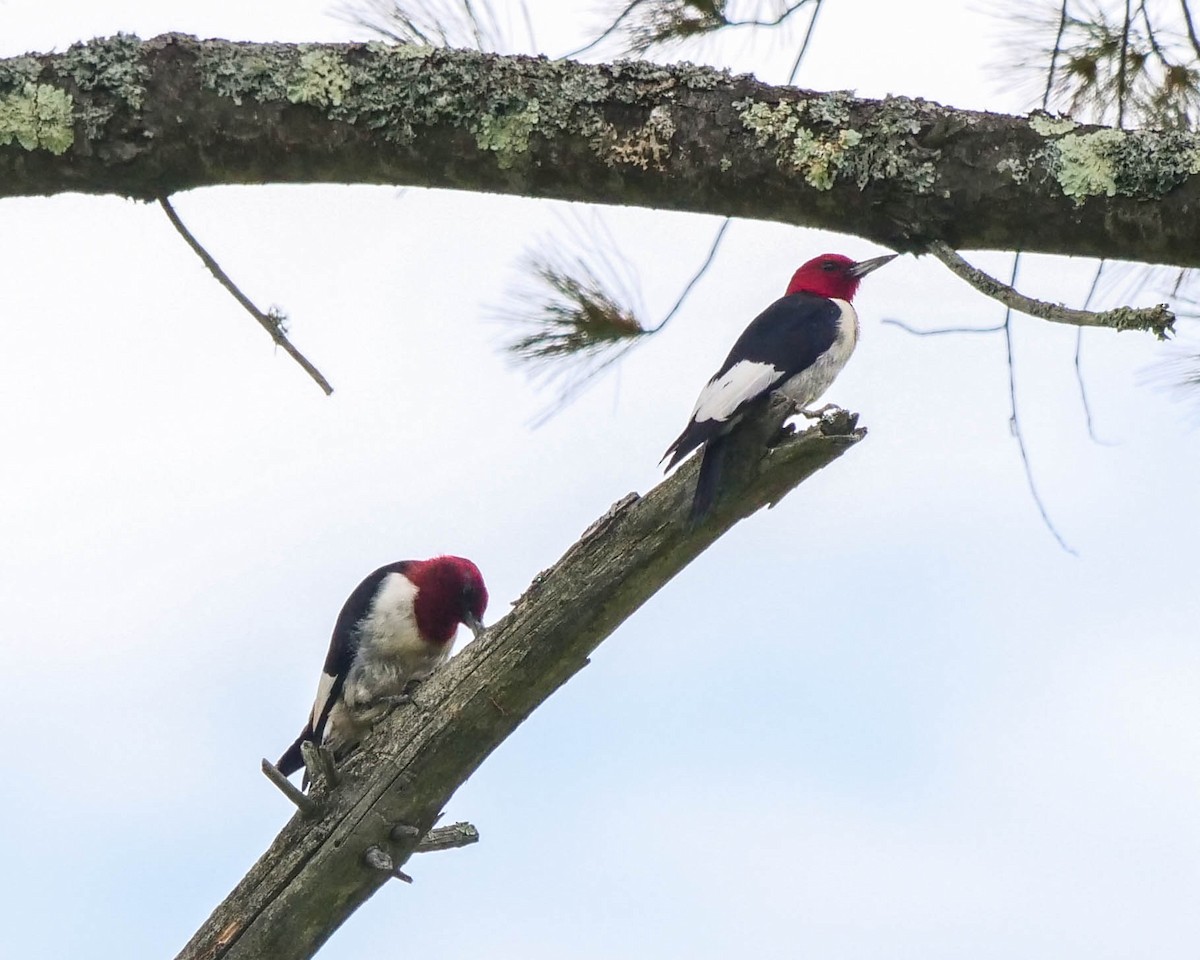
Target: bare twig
{"type": "Point", "coordinates": [808, 35]}
{"type": "Point", "coordinates": [938, 331]}
{"type": "Point", "coordinates": [712, 252]}
{"type": "Point", "coordinates": [1159, 319]}
{"type": "Point", "coordinates": [1123, 65]}
{"type": "Point", "coordinates": [1054, 52]}
{"type": "Point", "coordinates": [306, 804]}
{"type": "Point", "coordinates": [272, 322]}
{"type": "Point", "coordinates": [1087, 407]}
{"type": "Point", "coordinates": [448, 838]}
{"type": "Point", "coordinates": [1015, 422]}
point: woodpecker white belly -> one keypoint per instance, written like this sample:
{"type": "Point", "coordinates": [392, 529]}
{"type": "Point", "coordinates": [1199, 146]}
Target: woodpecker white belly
{"type": "Point", "coordinates": [396, 627]}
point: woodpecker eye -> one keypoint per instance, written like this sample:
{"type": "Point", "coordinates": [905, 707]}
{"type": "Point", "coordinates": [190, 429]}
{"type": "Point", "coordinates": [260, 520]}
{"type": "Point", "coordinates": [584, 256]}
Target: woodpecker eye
{"type": "Point", "coordinates": [829, 266]}
{"type": "Point", "coordinates": [470, 597]}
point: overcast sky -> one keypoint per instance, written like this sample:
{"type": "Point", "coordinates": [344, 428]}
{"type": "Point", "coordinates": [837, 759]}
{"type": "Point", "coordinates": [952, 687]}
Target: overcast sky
{"type": "Point", "coordinates": [890, 718]}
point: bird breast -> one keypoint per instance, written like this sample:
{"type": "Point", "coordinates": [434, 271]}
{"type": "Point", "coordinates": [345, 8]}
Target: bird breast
{"type": "Point", "coordinates": [807, 385]}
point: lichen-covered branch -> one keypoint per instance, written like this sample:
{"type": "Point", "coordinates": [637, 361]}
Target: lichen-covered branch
{"type": "Point", "coordinates": [1158, 319]}
{"type": "Point", "coordinates": [317, 872]}
{"type": "Point", "coordinates": [145, 119]}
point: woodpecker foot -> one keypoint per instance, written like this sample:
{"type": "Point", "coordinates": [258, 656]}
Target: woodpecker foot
{"type": "Point", "coordinates": [396, 700]}
{"type": "Point", "coordinates": [820, 412]}
{"type": "Point", "coordinates": [379, 859]}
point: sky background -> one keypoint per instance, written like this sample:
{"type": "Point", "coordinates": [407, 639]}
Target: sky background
{"type": "Point", "coordinates": [890, 718]}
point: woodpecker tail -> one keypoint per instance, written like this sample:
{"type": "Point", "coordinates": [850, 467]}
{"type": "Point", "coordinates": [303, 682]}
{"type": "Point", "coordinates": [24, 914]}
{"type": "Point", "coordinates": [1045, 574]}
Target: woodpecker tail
{"type": "Point", "coordinates": [293, 759]}
{"type": "Point", "coordinates": [709, 478]}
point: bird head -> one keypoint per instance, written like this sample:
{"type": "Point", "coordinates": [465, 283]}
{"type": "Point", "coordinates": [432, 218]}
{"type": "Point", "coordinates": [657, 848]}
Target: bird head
{"type": "Point", "coordinates": [450, 591]}
{"type": "Point", "coordinates": [834, 276]}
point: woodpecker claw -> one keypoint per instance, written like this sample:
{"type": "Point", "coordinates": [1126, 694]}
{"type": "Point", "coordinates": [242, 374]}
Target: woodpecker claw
{"type": "Point", "coordinates": [820, 412]}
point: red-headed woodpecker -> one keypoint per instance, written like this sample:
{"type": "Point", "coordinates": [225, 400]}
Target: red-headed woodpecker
{"type": "Point", "coordinates": [795, 347]}
{"type": "Point", "coordinates": [395, 628]}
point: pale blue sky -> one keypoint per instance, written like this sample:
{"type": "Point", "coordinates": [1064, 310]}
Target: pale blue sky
{"type": "Point", "coordinates": [889, 718]}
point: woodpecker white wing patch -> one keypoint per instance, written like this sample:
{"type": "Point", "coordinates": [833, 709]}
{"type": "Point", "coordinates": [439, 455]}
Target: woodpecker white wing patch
{"type": "Point", "coordinates": [723, 395]}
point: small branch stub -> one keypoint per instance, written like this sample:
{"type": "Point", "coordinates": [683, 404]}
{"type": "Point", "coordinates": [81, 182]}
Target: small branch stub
{"type": "Point", "coordinates": [377, 858]}
{"type": "Point", "coordinates": [306, 804]}
{"type": "Point", "coordinates": [448, 838]}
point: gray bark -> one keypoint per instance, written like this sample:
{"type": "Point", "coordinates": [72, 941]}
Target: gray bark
{"type": "Point", "coordinates": [144, 119]}
{"type": "Point", "coordinates": [319, 870]}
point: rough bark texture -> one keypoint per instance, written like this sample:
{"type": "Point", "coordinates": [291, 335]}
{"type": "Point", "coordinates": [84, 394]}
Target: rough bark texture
{"type": "Point", "coordinates": [314, 875]}
{"type": "Point", "coordinates": [148, 118]}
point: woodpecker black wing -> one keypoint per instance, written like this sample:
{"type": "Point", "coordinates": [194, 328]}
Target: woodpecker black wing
{"type": "Point", "coordinates": [786, 338]}
{"type": "Point", "coordinates": [343, 646]}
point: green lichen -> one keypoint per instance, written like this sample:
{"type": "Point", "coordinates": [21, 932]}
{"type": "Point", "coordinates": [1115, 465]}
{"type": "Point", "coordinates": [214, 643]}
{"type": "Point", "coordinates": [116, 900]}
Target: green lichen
{"type": "Point", "coordinates": [508, 135]}
{"type": "Point", "coordinates": [37, 116]}
{"type": "Point", "coordinates": [319, 78]}
{"type": "Point", "coordinates": [646, 146]}
{"type": "Point", "coordinates": [820, 158]}
{"type": "Point", "coordinates": [262, 72]}
{"type": "Point", "coordinates": [18, 71]}
{"type": "Point", "coordinates": [883, 149]}
{"type": "Point", "coordinates": [1048, 126]}
{"type": "Point", "coordinates": [110, 64]}
{"type": "Point", "coordinates": [831, 108]}
{"type": "Point", "coordinates": [1116, 162]}
{"type": "Point", "coordinates": [1086, 164]}
{"type": "Point", "coordinates": [1017, 169]}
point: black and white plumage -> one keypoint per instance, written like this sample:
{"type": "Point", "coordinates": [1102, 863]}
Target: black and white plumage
{"type": "Point", "coordinates": [796, 347]}
{"type": "Point", "coordinates": [395, 628]}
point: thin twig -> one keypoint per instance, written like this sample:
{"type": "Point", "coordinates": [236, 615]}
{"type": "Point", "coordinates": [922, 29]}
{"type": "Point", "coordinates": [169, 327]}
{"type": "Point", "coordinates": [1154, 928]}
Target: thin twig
{"type": "Point", "coordinates": [1159, 319]}
{"type": "Point", "coordinates": [1062, 26]}
{"type": "Point", "coordinates": [1087, 407]}
{"type": "Point", "coordinates": [1015, 423]}
{"type": "Point", "coordinates": [306, 804]}
{"type": "Point", "coordinates": [776, 21]}
{"type": "Point", "coordinates": [271, 322]}
{"type": "Point", "coordinates": [712, 252]}
{"type": "Point", "coordinates": [808, 34]}
{"type": "Point", "coordinates": [938, 331]}
{"type": "Point", "coordinates": [448, 838]}
{"type": "Point", "coordinates": [1122, 74]}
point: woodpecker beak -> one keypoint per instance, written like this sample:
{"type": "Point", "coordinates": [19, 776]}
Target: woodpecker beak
{"type": "Point", "coordinates": [474, 624]}
{"type": "Point", "coordinates": [863, 267]}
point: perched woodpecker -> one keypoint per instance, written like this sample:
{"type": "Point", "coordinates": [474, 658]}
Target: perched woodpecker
{"type": "Point", "coordinates": [395, 628]}
{"type": "Point", "coordinates": [795, 347]}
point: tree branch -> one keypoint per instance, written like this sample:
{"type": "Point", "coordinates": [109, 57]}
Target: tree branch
{"type": "Point", "coordinates": [1158, 319]}
{"type": "Point", "coordinates": [272, 321]}
{"type": "Point", "coordinates": [146, 119]}
{"type": "Point", "coordinates": [313, 876]}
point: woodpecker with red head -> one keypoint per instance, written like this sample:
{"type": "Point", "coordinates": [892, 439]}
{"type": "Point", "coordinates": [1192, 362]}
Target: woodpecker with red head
{"type": "Point", "coordinates": [395, 628]}
{"type": "Point", "coordinates": [795, 347]}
